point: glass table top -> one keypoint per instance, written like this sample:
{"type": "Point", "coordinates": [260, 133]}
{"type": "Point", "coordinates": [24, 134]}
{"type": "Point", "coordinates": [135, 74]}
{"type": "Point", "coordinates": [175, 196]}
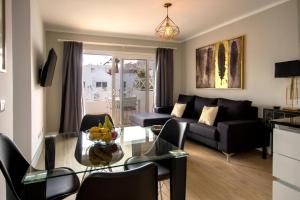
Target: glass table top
{"type": "Point", "coordinates": [77, 152]}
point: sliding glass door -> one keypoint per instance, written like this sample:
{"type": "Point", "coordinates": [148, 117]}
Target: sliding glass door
{"type": "Point", "coordinates": [136, 91]}
{"type": "Point", "coordinates": [118, 84]}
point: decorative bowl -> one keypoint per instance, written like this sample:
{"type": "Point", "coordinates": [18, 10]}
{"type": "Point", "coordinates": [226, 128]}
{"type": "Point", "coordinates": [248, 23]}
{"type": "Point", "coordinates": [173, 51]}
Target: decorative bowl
{"type": "Point", "coordinates": [99, 155]}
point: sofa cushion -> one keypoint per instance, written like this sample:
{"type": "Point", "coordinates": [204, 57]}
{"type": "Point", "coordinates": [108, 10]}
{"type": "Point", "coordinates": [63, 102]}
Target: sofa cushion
{"type": "Point", "coordinates": [200, 102]}
{"type": "Point", "coordinates": [189, 101]}
{"type": "Point", "coordinates": [204, 130]}
{"type": "Point", "coordinates": [233, 110]}
{"type": "Point", "coordinates": [208, 115]}
{"type": "Point", "coordinates": [178, 109]}
{"type": "Point", "coordinates": [203, 140]}
{"type": "Point", "coordinates": [188, 120]}
{"type": "Point", "coordinates": [149, 118]}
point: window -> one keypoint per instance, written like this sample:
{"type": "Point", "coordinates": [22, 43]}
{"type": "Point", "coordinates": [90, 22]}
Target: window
{"type": "Point", "coordinates": [116, 85]}
{"type": "Point", "coordinates": [104, 84]}
{"type": "Point", "coordinates": [98, 84]}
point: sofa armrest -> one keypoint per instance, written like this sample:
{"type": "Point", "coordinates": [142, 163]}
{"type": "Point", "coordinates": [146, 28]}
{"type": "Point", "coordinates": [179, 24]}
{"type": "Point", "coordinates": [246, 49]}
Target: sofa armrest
{"type": "Point", "coordinates": [164, 109]}
{"type": "Point", "coordinates": [239, 135]}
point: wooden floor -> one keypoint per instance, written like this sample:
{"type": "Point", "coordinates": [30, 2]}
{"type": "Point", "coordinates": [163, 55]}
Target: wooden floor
{"type": "Point", "coordinates": [209, 177]}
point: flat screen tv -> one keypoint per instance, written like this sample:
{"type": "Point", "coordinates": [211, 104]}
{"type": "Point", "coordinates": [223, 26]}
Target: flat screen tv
{"type": "Point", "coordinates": [47, 71]}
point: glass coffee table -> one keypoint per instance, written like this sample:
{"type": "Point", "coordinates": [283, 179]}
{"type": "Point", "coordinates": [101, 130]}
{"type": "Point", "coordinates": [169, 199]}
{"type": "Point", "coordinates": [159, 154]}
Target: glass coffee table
{"type": "Point", "coordinates": [77, 152]}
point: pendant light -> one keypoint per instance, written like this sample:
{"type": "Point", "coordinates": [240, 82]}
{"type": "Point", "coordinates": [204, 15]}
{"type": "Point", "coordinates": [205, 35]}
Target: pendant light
{"type": "Point", "coordinates": [167, 29]}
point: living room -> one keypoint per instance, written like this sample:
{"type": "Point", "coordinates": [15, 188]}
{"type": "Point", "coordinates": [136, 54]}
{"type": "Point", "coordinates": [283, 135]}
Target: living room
{"type": "Point", "coordinates": [123, 44]}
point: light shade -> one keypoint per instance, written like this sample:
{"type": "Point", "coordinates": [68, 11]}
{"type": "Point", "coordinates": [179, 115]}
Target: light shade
{"type": "Point", "coordinates": [287, 69]}
{"type": "Point", "coordinates": [167, 29]}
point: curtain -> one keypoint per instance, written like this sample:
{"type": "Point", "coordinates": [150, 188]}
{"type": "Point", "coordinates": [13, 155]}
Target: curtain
{"type": "Point", "coordinates": [71, 103]}
{"type": "Point", "coordinates": [164, 77]}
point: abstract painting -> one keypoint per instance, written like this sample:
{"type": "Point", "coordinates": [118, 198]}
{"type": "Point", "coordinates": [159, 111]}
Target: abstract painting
{"type": "Point", "coordinates": [220, 65]}
{"type": "Point", "coordinates": [205, 67]}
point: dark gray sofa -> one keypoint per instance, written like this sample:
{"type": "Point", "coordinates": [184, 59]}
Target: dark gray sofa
{"type": "Point", "coordinates": [236, 128]}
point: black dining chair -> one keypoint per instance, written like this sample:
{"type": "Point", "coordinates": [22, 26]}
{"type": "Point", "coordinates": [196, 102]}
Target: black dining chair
{"type": "Point", "coordinates": [136, 184]}
{"type": "Point", "coordinates": [88, 121]}
{"type": "Point", "coordinates": [172, 132]}
{"type": "Point", "coordinates": [14, 166]}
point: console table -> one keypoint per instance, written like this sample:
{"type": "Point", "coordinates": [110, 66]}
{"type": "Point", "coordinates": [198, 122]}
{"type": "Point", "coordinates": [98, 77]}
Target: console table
{"type": "Point", "coordinates": [270, 114]}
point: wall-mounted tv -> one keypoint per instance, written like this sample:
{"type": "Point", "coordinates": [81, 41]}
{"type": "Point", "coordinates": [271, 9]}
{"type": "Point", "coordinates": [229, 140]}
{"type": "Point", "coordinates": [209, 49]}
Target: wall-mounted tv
{"type": "Point", "coordinates": [47, 71]}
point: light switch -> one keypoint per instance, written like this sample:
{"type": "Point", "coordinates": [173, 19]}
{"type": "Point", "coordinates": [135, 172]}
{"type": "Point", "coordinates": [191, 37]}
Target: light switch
{"type": "Point", "coordinates": [2, 105]}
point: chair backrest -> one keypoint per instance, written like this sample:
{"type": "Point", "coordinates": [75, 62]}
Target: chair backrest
{"type": "Point", "coordinates": [136, 184]}
{"type": "Point", "coordinates": [89, 121]}
{"type": "Point", "coordinates": [13, 165]}
{"type": "Point", "coordinates": [182, 131]}
{"type": "Point", "coordinates": [174, 132]}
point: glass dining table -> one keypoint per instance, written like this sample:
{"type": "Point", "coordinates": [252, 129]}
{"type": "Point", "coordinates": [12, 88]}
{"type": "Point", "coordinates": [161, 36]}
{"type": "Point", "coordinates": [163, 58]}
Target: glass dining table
{"type": "Point", "coordinates": [77, 152]}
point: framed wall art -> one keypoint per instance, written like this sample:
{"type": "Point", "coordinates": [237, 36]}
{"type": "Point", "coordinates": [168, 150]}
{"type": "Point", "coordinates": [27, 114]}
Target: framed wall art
{"type": "Point", "coordinates": [221, 65]}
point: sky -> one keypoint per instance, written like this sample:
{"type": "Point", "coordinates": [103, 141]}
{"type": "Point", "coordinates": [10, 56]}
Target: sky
{"type": "Point", "coordinates": [95, 59]}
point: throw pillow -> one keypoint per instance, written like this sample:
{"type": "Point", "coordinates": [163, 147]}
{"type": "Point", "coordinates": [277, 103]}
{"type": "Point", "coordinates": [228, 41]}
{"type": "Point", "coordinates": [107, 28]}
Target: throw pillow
{"type": "Point", "coordinates": [208, 115]}
{"type": "Point", "coordinates": [178, 110]}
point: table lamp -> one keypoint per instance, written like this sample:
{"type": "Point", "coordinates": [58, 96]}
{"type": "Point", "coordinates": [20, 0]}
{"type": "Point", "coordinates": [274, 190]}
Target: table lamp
{"type": "Point", "coordinates": [289, 69]}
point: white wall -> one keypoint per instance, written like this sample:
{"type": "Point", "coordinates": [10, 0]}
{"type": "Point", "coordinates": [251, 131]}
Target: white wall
{"type": "Point", "coordinates": [270, 36]}
{"type": "Point", "coordinates": [22, 76]}
{"type": "Point", "coordinates": [28, 51]}
{"type": "Point", "coordinates": [18, 86]}
{"type": "Point", "coordinates": [38, 94]}
{"type": "Point", "coordinates": [6, 87]}
{"type": "Point", "coordinates": [53, 96]}
{"type": "Point", "coordinates": [299, 23]}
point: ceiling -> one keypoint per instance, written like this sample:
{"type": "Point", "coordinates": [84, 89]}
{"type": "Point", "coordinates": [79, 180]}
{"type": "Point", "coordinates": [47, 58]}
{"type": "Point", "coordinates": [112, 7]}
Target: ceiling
{"type": "Point", "coordinates": [139, 18]}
